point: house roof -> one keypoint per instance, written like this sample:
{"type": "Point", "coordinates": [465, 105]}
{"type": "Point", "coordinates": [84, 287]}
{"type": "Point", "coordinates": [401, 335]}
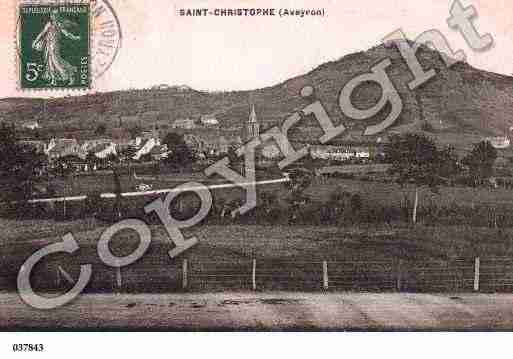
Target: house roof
{"type": "Point", "coordinates": [62, 145]}
{"type": "Point", "coordinates": [120, 133]}
{"type": "Point", "coordinates": [97, 140]}
{"type": "Point", "coordinates": [210, 138]}
{"type": "Point", "coordinates": [157, 150]}
{"type": "Point", "coordinates": [331, 148]}
{"type": "Point", "coordinates": [30, 123]}
{"type": "Point", "coordinates": [209, 119]}
{"type": "Point", "coordinates": [65, 142]}
{"type": "Point", "coordinates": [100, 147]}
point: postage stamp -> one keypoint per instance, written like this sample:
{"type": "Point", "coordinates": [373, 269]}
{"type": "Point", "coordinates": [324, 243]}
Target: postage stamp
{"type": "Point", "coordinates": [55, 46]}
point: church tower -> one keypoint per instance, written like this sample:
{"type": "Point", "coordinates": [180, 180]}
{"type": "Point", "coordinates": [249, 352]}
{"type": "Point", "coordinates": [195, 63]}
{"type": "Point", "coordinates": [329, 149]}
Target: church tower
{"type": "Point", "coordinates": [251, 130]}
{"type": "Point", "coordinates": [252, 126]}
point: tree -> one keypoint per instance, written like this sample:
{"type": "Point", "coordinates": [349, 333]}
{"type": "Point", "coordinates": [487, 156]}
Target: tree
{"type": "Point", "coordinates": [146, 158]}
{"type": "Point", "coordinates": [268, 207]}
{"type": "Point", "coordinates": [427, 127]}
{"type": "Point", "coordinates": [100, 130]}
{"type": "Point", "coordinates": [65, 164]}
{"type": "Point", "coordinates": [480, 161]}
{"type": "Point", "coordinates": [91, 158]}
{"type": "Point", "coordinates": [19, 166]}
{"type": "Point", "coordinates": [415, 160]}
{"type": "Point", "coordinates": [181, 156]}
{"type": "Point", "coordinates": [449, 164]}
{"type": "Point", "coordinates": [337, 204]}
{"type": "Point", "coordinates": [299, 180]}
{"type": "Point", "coordinates": [128, 152]}
{"type": "Point", "coordinates": [112, 158]}
{"type": "Point", "coordinates": [173, 140]}
{"type": "Point", "coordinates": [134, 131]}
{"type": "Point", "coordinates": [232, 155]}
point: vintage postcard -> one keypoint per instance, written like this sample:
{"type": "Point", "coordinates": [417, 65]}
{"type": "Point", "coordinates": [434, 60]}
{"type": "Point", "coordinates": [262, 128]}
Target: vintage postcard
{"type": "Point", "coordinates": [261, 166]}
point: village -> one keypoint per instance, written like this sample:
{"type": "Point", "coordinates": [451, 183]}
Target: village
{"type": "Point", "coordinates": [107, 146]}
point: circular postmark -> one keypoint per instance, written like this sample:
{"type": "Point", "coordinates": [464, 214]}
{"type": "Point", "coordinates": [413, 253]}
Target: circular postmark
{"type": "Point", "coordinates": [106, 36]}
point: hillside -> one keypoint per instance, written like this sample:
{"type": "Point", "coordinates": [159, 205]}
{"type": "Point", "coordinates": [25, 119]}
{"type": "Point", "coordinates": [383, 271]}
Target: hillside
{"type": "Point", "coordinates": [463, 104]}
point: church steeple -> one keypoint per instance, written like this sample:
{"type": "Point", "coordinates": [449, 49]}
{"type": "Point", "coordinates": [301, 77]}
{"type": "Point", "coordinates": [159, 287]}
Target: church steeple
{"type": "Point", "coordinates": [252, 127]}
{"type": "Point", "coordinates": [252, 115]}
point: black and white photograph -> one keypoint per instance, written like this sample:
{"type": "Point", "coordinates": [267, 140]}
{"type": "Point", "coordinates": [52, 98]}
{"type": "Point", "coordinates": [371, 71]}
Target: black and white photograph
{"type": "Point", "coordinates": [301, 167]}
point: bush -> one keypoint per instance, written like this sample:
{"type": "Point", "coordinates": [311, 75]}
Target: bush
{"type": "Point", "coordinates": [427, 127]}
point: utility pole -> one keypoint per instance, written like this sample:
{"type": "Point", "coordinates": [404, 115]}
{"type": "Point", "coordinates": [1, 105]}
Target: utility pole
{"type": "Point", "coordinates": [117, 191]}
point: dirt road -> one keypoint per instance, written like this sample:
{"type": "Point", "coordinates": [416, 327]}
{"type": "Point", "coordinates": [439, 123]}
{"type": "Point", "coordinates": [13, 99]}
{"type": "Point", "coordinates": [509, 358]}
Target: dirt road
{"type": "Point", "coordinates": [266, 311]}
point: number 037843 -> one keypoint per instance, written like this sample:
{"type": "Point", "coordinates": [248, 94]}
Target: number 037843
{"type": "Point", "coordinates": [28, 347]}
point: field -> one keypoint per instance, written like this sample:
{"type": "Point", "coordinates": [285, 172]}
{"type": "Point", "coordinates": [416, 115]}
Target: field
{"type": "Point", "coordinates": [392, 194]}
{"type": "Point", "coordinates": [299, 250]}
{"type": "Point", "coordinates": [378, 192]}
{"type": "Point", "coordinates": [367, 258]}
{"type": "Point", "coordinates": [104, 183]}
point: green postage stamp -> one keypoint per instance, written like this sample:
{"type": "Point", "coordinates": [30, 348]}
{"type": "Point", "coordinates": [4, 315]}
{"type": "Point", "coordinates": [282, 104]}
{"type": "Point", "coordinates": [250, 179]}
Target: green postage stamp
{"type": "Point", "coordinates": [54, 46]}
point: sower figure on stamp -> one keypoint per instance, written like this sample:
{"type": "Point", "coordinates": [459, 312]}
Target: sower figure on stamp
{"type": "Point", "coordinates": [49, 41]}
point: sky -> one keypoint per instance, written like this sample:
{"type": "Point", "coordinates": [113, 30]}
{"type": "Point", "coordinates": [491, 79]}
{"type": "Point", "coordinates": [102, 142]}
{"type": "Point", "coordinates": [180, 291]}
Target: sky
{"type": "Point", "coordinates": [219, 53]}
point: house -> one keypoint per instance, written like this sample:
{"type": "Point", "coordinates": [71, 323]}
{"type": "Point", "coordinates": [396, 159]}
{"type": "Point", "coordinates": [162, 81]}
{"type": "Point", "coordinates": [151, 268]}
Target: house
{"type": "Point", "coordinates": [271, 151]}
{"type": "Point", "coordinates": [499, 143]}
{"type": "Point", "coordinates": [366, 169]}
{"type": "Point", "coordinates": [223, 145]}
{"type": "Point", "coordinates": [146, 148]}
{"type": "Point", "coordinates": [39, 146]}
{"type": "Point", "coordinates": [161, 87]}
{"type": "Point", "coordinates": [63, 147]}
{"type": "Point", "coordinates": [184, 124]}
{"type": "Point", "coordinates": [202, 142]}
{"type": "Point", "coordinates": [236, 140]}
{"type": "Point", "coordinates": [128, 120]}
{"type": "Point", "coordinates": [147, 135]}
{"type": "Point", "coordinates": [104, 150]}
{"type": "Point", "coordinates": [90, 144]}
{"type": "Point", "coordinates": [31, 125]}
{"type": "Point", "coordinates": [340, 153]}
{"type": "Point", "coordinates": [208, 142]}
{"type": "Point", "coordinates": [122, 138]}
{"type": "Point", "coordinates": [159, 152]}
{"type": "Point", "coordinates": [362, 152]}
{"type": "Point", "coordinates": [209, 121]}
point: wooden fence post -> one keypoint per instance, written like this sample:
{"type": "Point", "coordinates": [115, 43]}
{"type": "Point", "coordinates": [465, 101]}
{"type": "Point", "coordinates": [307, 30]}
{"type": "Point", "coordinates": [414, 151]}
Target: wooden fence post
{"type": "Point", "coordinates": [253, 275]}
{"type": "Point", "coordinates": [477, 264]}
{"type": "Point", "coordinates": [399, 280]}
{"type": "Point", "coordinates": [184, 274]}
{"type": "Point", "coordinates": [119, 278]}
{"type": "Point", "coordinates": [325, 283]}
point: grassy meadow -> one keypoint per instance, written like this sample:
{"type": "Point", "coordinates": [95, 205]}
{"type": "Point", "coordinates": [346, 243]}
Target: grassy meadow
{"type": "Point", "coordinates": [360, 256]}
